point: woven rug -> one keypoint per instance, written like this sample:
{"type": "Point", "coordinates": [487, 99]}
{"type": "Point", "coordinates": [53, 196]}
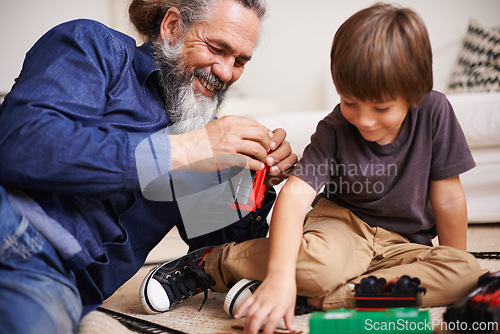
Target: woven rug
{"type": "Point", "coordinates": [186, 317]}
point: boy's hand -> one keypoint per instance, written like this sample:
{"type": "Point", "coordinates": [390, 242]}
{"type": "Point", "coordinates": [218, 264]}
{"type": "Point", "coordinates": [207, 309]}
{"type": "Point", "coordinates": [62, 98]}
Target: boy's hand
{"type": "Point", "coordinates": [274, 299]}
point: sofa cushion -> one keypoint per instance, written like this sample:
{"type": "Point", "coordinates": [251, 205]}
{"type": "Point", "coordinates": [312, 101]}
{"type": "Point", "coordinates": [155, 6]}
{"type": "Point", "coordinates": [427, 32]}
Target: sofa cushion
{"type": "Point", "coordinates": [479, 116]}
{"type": "Point", "coordinates": [478, 66]}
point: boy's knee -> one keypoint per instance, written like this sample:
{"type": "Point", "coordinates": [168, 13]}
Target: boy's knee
{"type": "Point", "coordinates": [468, 272]}
{"type": "Point", "coordinates": [318, 280]}
{"type": "Point", "coordinates": [460, 262]}
{"type": "Point", "coordinates": [320, 273]}
{"type": "Point", "coordinates": [457, 275]}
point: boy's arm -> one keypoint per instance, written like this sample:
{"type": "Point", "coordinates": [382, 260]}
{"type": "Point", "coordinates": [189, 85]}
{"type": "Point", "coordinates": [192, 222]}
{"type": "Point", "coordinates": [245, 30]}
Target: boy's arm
{"type": "Point", "coordinates": [450, 210]}
{"type": "Point", "coordinates": [275, 297]}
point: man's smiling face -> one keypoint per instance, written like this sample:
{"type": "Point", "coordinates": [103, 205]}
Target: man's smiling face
{"type": "Point", "coordinates": [199, 64]}
{"type": "Point", "coordinates": [217, 50]}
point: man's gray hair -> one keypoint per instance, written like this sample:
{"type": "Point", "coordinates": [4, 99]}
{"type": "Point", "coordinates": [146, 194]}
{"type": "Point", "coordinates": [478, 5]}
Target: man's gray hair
{"type": "Point", "coordinates": [147, 15]}
{"type": "Point", "coordinates": [196, 11]}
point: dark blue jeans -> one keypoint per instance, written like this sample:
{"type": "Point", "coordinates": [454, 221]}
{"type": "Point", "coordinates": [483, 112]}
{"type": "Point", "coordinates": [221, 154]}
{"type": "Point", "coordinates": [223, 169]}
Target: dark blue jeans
{"type": "Point", "coordinates": [37, 293]}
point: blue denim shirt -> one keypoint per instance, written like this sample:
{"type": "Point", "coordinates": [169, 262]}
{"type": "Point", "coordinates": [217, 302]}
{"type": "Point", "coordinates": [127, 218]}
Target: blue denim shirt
{"type": "Point", "coordinates": [85, 98]}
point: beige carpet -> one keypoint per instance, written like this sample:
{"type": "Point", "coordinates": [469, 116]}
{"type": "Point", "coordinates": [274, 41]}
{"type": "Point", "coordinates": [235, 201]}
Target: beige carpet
{"type": "Point", "coordinates": [212, 318]}
{"type": "Point", "coordinates": [184, 317]}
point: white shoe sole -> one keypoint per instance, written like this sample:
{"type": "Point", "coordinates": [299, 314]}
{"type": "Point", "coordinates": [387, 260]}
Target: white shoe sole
{"type": "Point", "coordinates": [243, 289]}
{"type": "Point", "coordinates": [152, 288]}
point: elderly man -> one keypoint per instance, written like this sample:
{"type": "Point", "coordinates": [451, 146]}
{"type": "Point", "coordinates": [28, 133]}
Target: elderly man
{"type": "Point", "coordinates": [74, 223]}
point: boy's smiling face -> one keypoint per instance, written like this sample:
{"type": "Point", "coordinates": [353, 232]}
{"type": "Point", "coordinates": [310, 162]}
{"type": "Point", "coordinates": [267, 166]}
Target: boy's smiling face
{"type": "Point", "coordinates": [376, 121]}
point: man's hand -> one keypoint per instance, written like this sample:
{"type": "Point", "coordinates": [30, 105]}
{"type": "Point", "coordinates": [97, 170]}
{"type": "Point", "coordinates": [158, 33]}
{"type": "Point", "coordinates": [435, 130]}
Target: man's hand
{"type": "Point", "coordinates": [280, 159]}
{"type": "Point", "coordinates": [233, 141]}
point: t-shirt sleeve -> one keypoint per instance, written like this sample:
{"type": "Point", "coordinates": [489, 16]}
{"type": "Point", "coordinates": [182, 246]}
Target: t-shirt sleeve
{"type": "Point", "coordinates": [451, 155]}
{"type": "Point", "coordinates": [315, 166]}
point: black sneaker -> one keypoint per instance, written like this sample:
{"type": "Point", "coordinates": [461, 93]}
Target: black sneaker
{"type": "Point", "coordinates": [244, 288]}
{"type": "Point", "coordinates": [172, 282]}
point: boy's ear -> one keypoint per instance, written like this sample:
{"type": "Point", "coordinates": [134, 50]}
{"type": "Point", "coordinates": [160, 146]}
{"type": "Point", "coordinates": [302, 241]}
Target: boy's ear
{"type": "Point", "coordinates": [170, 25]}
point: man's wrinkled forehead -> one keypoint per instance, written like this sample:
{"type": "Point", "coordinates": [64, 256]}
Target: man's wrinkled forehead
{"type": "Point", "coordinates": [221, 6]}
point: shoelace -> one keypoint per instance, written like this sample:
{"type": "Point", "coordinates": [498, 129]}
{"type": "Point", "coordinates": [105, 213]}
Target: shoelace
{"type": "Point", "coordinates": [185, 286]}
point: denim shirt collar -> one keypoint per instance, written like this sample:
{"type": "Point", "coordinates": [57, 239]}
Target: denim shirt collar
{"type": "Point", "coordinates": [144, 63]}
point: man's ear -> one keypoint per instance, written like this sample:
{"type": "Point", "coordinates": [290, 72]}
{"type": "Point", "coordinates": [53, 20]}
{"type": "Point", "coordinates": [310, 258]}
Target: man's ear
{"type": "Point", "coordinates": [170, 25]}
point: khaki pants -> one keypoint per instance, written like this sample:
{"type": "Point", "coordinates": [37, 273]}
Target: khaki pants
{"type": "Point", "coordinates": [338, 249]}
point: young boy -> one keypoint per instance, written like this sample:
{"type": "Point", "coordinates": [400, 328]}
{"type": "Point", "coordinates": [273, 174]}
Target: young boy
{"type": "Point", "coordinates": [388, 157]}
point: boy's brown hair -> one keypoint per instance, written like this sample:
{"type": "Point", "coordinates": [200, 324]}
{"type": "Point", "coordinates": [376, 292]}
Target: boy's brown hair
{"type": "Point", "coordinates": [382, 52]}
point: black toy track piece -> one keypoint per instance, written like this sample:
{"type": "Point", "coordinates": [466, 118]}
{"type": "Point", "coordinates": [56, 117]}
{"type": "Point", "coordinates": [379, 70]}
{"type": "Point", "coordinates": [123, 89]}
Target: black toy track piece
{"type": "Point", "coordinates": [374, 293]}
{"type": "Point", "coordinates": [486, 255]}
{"type": "Point", "coordinates": [139, 325]}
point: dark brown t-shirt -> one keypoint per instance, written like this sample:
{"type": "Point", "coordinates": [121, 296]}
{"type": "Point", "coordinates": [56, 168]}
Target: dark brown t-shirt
{"type": "Point", "coordinates": [388, 185]}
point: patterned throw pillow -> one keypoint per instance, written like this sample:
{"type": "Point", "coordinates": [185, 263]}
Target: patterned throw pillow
{"type": "Point", "coordinates": [478, 67]}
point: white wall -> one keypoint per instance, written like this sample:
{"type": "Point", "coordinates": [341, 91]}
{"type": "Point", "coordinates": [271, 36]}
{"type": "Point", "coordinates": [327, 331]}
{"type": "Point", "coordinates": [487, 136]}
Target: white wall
{"type": "Point", "coordinates": [23, 22]}
{"type": "Point", "coordinates": [290, 69]}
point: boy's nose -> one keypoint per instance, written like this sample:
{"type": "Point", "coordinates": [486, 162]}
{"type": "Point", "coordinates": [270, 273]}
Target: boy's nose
{"type": "Point", "coordinates": [365, 121]}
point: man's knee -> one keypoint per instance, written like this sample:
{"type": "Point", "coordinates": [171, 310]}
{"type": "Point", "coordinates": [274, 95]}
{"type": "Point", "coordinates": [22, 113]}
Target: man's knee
{"type": "Point", "coordinates": [26, 309]}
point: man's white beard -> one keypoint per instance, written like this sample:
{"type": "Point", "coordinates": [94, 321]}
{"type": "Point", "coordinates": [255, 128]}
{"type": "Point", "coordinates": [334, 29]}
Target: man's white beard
{"type": "Point", "coordinates": [185, 108]}
{"type": "Point", "coordinates": [193, 110]}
